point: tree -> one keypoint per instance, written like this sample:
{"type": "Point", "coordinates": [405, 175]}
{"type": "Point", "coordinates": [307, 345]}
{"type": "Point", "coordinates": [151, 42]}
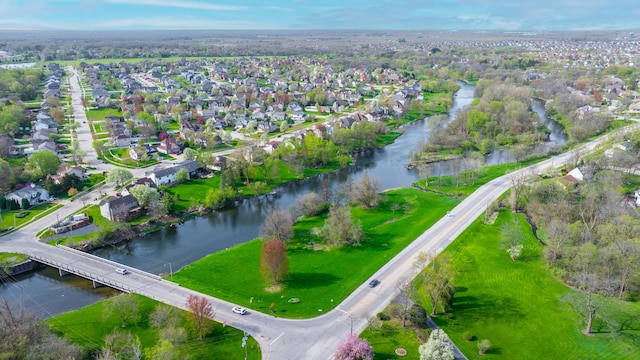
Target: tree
{"type": "Point", "coordinates": [44, 163]}
{"type": "Point", "coordinates": [125, 306]}
{"type": "Point", "coordinates": [436, 280]}
{"type": "Point", "coordinates": [257, 187]}
{"type": "Point", "coordinates": [164, 316]}
{"type": "Point", "coordinates": [438, 347]}
{"type": "Point", "coordinates": [144, 194]}
{"type": "Point", "coordinates": [278, 224]}
{"type": "Point", "coordinates": [274, 265]}
{"type": "Point", "coordinates": [189, 154]}
{"type": "Point", "coordinates": [354, 348]}
{"type": "Point", "coordinates": [119, 176]}
{"type": "Point", "coordinates": [121, 345]}
{"type": "Point", "coordinates": [596, 289]}
{"type": "Point", "coordinates": [163, 350]}
{"type": "Point", "coordinates": [309, 204]}
{"type": "Point", "coordinates": [340, 228]}
{"type": "Point", "coordinates": [201, 311]}
{"type": "Point", "coordinates": [182, 175]}
{"type": "Point", "coordinates": [72, 192]}
{"type": "Point", "coordinates": [10, 118]}
{"type": "Point", "coordinates": [366, 192]}
{"type": "Point", "coordinates": [6, 144]}
{"type": "Point", "coordinates": [484, 346]}
{"type": "Point", "coordinates": [512, 238]}
{"type": "Point", "coordinates": [22, 336]}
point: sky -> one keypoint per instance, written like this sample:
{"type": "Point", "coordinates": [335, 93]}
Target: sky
{"type": "Point", "coordinates": [510, 15]}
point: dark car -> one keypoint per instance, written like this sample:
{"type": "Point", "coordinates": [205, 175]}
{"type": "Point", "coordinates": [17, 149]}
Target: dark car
{"type": "Point", "coordinates": [374, 283]}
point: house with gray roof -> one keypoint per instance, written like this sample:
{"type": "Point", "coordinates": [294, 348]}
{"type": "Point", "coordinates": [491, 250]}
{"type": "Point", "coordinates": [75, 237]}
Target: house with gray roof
{"type": "Point", "coordinates": [35, 194]}
{"type": "Point", "coordinates": [120, 209]}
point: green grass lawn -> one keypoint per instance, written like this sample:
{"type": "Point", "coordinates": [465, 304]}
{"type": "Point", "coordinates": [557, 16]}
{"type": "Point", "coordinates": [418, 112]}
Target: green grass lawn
{"type": "Point", "coordinates": [8, 259]}
{"type": "Point", "coordinates": [34, 212]}
{"type": "Point", "coordinates": [389, 337]}
{"type": "Point", "coordinates": [98, 127]}
{"type": "Point", "coordinates": [517, 306]}
{"type": "Point", "coordinates": [101, 114]}
{"type": "Point", "coordinates": [193, 191]}
{"type": "Point", "coordinates": [464, 184]}
{"type": "Point", "coordinates": [317, 276]}
{"type": "Point", "coordinates": [88, 327]}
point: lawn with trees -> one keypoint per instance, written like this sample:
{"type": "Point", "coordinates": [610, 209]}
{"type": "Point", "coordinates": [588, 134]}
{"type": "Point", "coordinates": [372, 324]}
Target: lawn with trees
{"type": "Point", "coordinates": [151, 328]}
{"type": "Point", "coordinates": [318, 273]}
{"type": "Point", "coordinates": [520, 307]}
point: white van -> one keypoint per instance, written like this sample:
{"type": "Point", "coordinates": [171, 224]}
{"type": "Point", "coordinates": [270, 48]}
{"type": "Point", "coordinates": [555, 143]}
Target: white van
{"type": "Point", "coordinates": [121, 271]}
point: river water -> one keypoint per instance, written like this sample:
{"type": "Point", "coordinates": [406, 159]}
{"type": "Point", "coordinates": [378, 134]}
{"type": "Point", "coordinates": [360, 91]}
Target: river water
{"type": "Point", "coordinates": [46, 294]}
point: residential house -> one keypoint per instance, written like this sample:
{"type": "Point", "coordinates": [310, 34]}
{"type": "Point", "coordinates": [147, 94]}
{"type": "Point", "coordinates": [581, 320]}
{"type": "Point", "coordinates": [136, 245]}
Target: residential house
{"type": "Point", "coordinates": [149, 150]}
{"type": "Point", "coordinates": [163, 176]}
{"type": "Point", "coordinates": [120, 209]}
{"type": "Point", "coordinates": [169, 146]}
{"type": "Point", "coordinates": [43, 134]}
{"type": "Point", "coordinates": [35, 194]}
{"type": "Point", "coordinates": [142, 181]}
{"type": "Point", "coordinates": [121, 140]}
{"type": "Point", "coordinates": [42, 145]}
{"type": "Point", "coordinates": [78, 171]}
{"type": "Point", "coordinates": [219, 163]}
{"type": "Point", "coordinates": [192, 167]}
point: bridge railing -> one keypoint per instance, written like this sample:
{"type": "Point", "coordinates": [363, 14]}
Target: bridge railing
{"type": "Point", "coordinates": [82, 273]}
{"type": "Point", "coordinates": [106, 261]}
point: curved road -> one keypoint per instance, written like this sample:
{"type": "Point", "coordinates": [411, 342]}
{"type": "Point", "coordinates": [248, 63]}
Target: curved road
{"type": "Point", "coordinates": [284, 339]}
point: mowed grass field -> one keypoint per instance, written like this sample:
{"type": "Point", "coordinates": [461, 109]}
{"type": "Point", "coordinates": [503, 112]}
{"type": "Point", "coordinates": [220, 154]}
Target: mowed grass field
{"type": "Point", "coordinates": [518, 305]}
{"type": "Point", "coordinates": [88, 328]}
{"type": "Point", "coordinates": [318, 276]}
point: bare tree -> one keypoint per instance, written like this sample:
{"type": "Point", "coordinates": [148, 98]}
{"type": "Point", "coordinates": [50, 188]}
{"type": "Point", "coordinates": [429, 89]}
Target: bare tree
{"type": "Point", "coordinates": [121, 345]}
{"type": "Point", "coordinates": [274, 265]}
{"type": "Point", "coordinates": [517, 184]}
{"type": "Point", "coordinates": [201, 311]}
{"type": "Point", "coordinates": [340, 228]}
{"type": "Point", "coordinates": [125, 306]}
{"type": "Point", "coordinates": [309, 204]}
{"type": "Point", "coordinates": [165, 316]}
{"type": "Point", "coordinates": [366, 192]}
{"type": "Point", "coordinates": [22, 337]}
{"type": "Point", "coordinates": [278, 224]}
{"type": "Point", "coordinates": [596, 290]}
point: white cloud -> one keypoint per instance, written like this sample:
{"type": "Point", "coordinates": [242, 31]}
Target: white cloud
{"type": "Point", "coordinates": [180, 4]}
{"type": "Point", "coordinates": [182, 24]}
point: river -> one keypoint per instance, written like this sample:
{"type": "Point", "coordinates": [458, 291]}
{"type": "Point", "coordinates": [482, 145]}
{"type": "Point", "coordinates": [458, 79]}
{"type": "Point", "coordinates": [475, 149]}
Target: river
{"type": "Point", "coordinates": [46, 294]}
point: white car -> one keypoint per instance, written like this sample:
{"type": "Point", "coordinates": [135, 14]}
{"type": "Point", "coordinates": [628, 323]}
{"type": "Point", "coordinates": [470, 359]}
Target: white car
{"type": "Point", "coordinates": [238, 310]}
{"type": "Point", "coordinates": [121, 271]}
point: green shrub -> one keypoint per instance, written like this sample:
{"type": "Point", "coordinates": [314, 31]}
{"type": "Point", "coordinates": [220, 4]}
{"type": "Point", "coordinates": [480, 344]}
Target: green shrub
{"type": "Point", "coordinates": [384, 316]}
{"type": "Point", "coordinates": [418, 316]}
{"type": "Point", "coordinates": [468, 336]}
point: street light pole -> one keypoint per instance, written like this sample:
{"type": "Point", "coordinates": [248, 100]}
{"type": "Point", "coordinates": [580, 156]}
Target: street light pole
{"type": "Point", "coordinates": [170, 271]}
{"type": "Point", "coordinates": [351, 326]}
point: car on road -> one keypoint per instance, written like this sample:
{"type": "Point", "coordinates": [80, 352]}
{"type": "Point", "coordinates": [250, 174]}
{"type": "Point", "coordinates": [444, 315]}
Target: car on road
{"type": "Point", "coordinates": [238, 310]}
{"type": "Point", "coordinates": [121, 271]}
{"type": "Point", "coordinates": [374, 283]}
